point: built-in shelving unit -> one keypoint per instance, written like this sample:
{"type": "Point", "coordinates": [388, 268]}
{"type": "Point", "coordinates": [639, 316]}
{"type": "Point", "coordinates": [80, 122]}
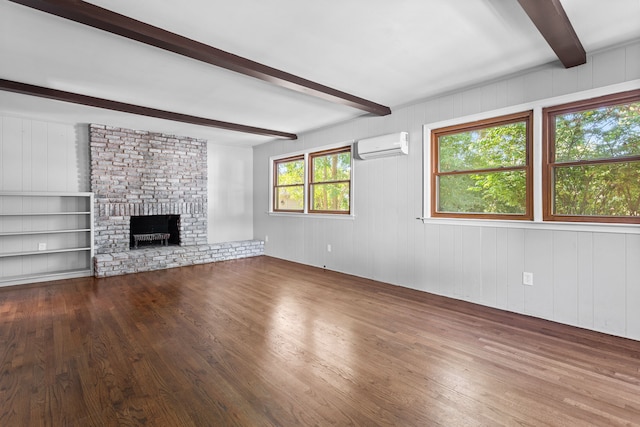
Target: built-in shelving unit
{"type": "Point", "coordinates": [45, 236]}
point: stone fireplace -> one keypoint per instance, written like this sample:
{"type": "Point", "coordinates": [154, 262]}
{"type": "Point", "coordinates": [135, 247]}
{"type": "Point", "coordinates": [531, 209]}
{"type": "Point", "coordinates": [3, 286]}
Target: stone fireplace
{"type": "Point", "coordinates": [137, 174]}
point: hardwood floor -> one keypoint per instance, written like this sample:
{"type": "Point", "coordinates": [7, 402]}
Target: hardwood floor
{"type": "Point", "coordinates": [265, 342]}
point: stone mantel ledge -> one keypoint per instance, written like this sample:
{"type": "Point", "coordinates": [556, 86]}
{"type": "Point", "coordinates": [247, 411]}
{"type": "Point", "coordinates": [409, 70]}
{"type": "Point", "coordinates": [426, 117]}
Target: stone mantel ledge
{"type": "Point", "coordinates": [106, 209]}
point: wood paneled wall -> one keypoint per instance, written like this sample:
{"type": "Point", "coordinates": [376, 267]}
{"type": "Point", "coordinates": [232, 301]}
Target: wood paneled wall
{"type": "Point", "coordinates": [41, 156]}
{"type": "Point", "coordinates": [588, 279]}
{"type": "Point", "coordinates": [230, 193]}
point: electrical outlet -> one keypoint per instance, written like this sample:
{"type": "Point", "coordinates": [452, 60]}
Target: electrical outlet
{"type": "Point", "coordinates": [527, 278]}
{"type": "Point", "coordinates": [42, 246]}
{"type": "Point", "coordinates": [266, 238]}
{"type": "Point", "coordinates": [328, 248]}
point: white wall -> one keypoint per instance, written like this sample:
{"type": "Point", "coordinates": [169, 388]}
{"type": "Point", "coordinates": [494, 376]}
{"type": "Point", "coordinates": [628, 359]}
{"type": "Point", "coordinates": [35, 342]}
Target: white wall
{"type": "Point", "coordinates": [586, 278]}
{"type": "Point", "coordinates": [47, 156]}
{"type": "Point", "coordinates": [230, 177]}
{"type": "Point", "coordinates": [41, 156]}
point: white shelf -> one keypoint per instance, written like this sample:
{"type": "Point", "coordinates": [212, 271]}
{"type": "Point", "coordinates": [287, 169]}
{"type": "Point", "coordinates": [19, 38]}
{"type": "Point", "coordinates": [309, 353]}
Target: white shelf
{"type": "Point", "coordinates": [43, 213]}
{"type": "Point", "coordinates": [56, 217]}
{"type": "Point", "coordinates": [48, 251]}
{"type": "Point", "coordinates": [46, 194]}
{"type": "Point", "coordinates": [26, 233]}
{"type": "Point", "coordinates": [42, 277]}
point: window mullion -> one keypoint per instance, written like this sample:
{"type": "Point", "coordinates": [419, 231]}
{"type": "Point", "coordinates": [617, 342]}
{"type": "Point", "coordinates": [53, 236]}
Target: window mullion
{"type": "Point", "coordinates": [630, 159]}
{"type": "Point", "coordinates": [307, 188]}
{"type": "Point", "coordinates": [481, 171]}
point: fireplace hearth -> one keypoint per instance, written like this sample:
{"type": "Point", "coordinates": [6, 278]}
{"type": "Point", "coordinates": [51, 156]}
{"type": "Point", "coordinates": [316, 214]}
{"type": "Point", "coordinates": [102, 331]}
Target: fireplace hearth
{"type": "Point", "coordinates": [154, 230]}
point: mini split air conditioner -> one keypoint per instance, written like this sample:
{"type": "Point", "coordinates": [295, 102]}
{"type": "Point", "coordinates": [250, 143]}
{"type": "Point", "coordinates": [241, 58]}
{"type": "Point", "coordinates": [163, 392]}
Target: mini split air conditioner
{"type": "Point", "coordinates": [393, 144]}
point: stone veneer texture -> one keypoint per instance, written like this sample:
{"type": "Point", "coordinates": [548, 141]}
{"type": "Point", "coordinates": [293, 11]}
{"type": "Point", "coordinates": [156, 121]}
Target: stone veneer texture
{"type": "Point", "coordinates": [144, 173]}
{"type": "Point", "coordinates": [159, 258]}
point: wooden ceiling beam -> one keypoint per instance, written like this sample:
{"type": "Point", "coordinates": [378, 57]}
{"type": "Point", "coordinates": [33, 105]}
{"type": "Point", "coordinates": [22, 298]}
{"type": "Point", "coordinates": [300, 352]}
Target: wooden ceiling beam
{"type": "Point", "coordinates": [104, 19]}
{"type": "Point", "coordinates": [554, 25]}
{"type": "Point", "coordinates": [59, 95]}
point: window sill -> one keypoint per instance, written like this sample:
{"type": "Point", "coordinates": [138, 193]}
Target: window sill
{"type": "Point", "coordinates": [351, 216]}
{"type": "Point", "coordinates": [538, 225]}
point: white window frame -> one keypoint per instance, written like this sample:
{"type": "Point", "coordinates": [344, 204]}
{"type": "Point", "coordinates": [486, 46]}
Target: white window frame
{"type": "Point", "coordinates": [537, 222]}
{"type": "Point", "coordinates": [306, 153]}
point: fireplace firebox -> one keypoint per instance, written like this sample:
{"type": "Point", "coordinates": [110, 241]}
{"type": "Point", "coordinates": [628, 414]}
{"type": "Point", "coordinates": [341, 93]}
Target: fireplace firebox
{"type": "Point", "coordinates": [154, 230]}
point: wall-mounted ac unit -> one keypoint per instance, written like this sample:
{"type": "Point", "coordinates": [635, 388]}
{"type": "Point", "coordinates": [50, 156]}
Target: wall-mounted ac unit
{"type": "Point", "coordinates": [393, 144]}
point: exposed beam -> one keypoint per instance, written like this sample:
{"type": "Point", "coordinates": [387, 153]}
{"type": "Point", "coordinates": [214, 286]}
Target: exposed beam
{"type": "Point", "coordinates": [104, 19]}
{"type": "Point", "coordinates": [59, 95]}
{"type": "Point", "coordinates": [552, 21]}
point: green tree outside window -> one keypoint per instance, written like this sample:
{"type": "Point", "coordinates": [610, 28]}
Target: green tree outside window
{"type": "Point", "coordinates": [482, 169]}
{"type": "Point", "coordinates": [330, 183]}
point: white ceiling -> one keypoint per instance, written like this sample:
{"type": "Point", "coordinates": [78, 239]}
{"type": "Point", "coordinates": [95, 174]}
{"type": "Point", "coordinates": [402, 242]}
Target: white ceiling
{"type": "Point", "coordinates": [389, 52]}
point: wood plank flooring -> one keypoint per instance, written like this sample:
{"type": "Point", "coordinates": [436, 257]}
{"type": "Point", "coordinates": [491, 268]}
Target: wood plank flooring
{"type": "Point", "coordinates": [265, 342]}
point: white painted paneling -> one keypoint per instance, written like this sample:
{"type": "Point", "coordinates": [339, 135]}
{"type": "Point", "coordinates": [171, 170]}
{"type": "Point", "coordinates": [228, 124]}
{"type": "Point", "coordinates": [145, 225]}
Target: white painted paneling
{"type": "Point", "coordinates": [565, 277]}
{"type": "Point", "coordinates": [419, 258]}
{"type": "Point", "coordinates": [57, 145]}
{"type": "Point", "coordinates": [288, 239]}
{"type": "Point", "coordinates": [447, 261]}
{"type": "Point", "coordinates": [431, 264]}
{"type": "Point", "coordinates": [632, 59]}
{"type": "Point", "coordinates": [460, 287]}
{"type": "Point", "coordinates": [471, 102]}
{"type": "Point", "coordinates": [501, 94]}
{"type": "Point", "coordinates": [27, 155]}
{"type": "Point", "coordinates": [502, 270]}
{"type": "Point", "coordinates": [516, 90]}
{"type": "Point", "coordinates": [40, 156]}
{"type": "Point", "coordinates": [230, 193]}
{"type": "Point", "coordinates": [538, 85]}
{"type": "Point", "coordinates": [538, 259]}
{"type": "Point", "coordinates": [472, 263]}
{"type": "Point", "coordinates": [2, 126]}
{"type": "Point", "coordinates": [39, 159]}
{"type": "Point", "coordinates": [488, 265]}
{"type": "Point", "coordinates": [314, 247]}
{"type": "Point", "coordinates": [603, 73]}
{"type": "Point", "coordinates": [341, 240]}
{"type": "Point", "coordinates": [489, 97]}
{"type": "Point", "coordinates": [515, 267]}
{"type": "Point", "coordinates": [404, 241]}
{"type": "Point", "coordinates": [585, 279]}
{"type": "Point", "coordinates": [12, 154]}
{"type": "Point", "coordinates": [633, 286]}
{"type": "Point", "coordinates": [362, 259]}
{"type": "Point", "coordinates": [585, 74]}
{"type": "Point", "coordinates": [609, 283]}
{"type": "Point", "coordinates": [564, 81]}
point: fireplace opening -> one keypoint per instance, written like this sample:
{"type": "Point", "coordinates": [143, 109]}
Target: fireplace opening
{"type": "Point", "coordinates": [154, 230]}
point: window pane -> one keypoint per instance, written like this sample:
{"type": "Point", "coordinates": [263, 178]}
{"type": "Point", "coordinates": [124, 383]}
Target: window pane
{"type": "Point", "coordinates": [330, 197]}
{"type": "Point", "coordinates": [332, 167]}
{"type": "Point", "coordinates": [290, 198]}
{"type": "Point", "coordinates": [601, 133]}
{"type": "Point", "coordinates": [487, 148]}
{"type": "Point", "coordinates": [291, 172]}
{"type": "Point", "coordinates": [610, 189]}
{"type": "Point", "coordinates": [487, 193]}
